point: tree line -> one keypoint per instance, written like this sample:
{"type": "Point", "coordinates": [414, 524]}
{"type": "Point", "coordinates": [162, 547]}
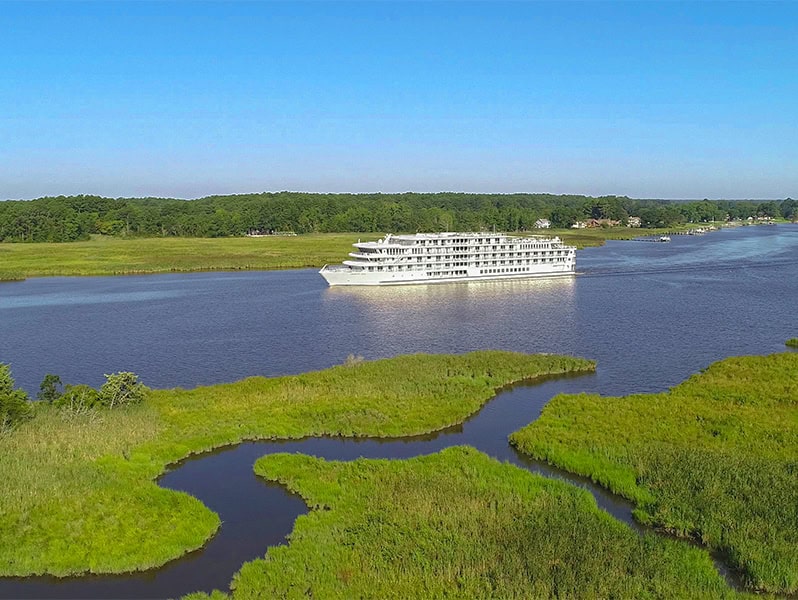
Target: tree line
{"type": "Point", "coordinates": [72, 218]}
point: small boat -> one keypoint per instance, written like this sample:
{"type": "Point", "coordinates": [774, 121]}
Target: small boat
{"type": "Point", "coordinates": [665, 238]}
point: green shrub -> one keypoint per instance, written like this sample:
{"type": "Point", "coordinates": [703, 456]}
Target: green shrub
{"type": "Point", "coordinates": [121, 389]}
{"type": "Point", "coordinates": [78, 397]}
{"type": "Point", "coordinates": [14, 404]}
{"type": "Point", "coordinates": [48, 390]}
{"type": "Point", "coordinates": [792, 343]}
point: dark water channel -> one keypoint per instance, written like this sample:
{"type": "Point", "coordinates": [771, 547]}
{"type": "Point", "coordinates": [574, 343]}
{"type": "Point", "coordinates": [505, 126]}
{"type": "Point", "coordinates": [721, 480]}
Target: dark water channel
{"type": "Point", "coordinates": [651, 314]}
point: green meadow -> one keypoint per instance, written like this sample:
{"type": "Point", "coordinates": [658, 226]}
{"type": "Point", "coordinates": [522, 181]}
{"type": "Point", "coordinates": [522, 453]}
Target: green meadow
{"type": "Point", "coordinates": [596, 236]}
{"type": "Point", "coordinates": [79, 488]}
{"type": "Point", "coordinates": [104, 255]}
{"type": "Point", "coordinates": [715, 459]}
{"type": "Point", "coordinates": [458, 524]}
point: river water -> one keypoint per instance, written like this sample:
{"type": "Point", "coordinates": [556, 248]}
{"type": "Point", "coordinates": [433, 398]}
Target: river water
{"type": "Point", "coordinates": [651, 314]}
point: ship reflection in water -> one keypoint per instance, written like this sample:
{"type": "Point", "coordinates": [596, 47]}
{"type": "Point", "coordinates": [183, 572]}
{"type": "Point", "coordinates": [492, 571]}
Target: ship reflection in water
{"type": "Point", "coordinates": [464, 316]}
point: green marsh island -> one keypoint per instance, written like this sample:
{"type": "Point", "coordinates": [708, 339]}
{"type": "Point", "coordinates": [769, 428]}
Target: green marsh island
{"type": "Point", "coordinates": [715, 459]}
{"type": "Point", "coordinates": [460, 524]}
{"type": "Point", "coordinates": [79, 486]}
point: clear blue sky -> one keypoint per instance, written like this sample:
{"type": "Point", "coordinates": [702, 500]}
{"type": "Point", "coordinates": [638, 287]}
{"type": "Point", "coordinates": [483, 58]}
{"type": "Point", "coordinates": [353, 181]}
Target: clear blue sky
{"type": "Point", "coordinates": [667, 100]}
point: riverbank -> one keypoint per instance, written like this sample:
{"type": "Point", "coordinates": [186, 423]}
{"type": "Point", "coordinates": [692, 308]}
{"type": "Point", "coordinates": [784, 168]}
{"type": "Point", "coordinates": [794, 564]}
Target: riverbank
{"type": "Point", "coordinates": [135, 256]}
{"type": "Point", "coordinates": [458, 523]}
{"type": "Point", "coordinates": [79, 488]}
{"type": "Point", "coordinates": [712, 459]}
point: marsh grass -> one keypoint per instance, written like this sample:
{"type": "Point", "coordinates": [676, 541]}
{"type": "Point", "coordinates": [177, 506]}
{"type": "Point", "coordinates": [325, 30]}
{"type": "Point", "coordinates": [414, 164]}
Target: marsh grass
{"type": "Point", "coordinates": [792, 343]}
{"type": "Point", "coordinates": [78, 490]}
{"type": "Point", "coordinates": [715, 458]}
{"type": "Point", "coordinates": [459, 524]}
{"type": "Point", "coordinates": [124, 256]}
{"type": "Point", "coordinates": [596, 236]}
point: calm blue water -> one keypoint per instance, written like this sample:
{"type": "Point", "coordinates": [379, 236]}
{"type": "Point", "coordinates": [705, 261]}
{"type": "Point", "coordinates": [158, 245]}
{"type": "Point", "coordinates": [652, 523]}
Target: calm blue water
{"type": "Point", "coordinates": [650, 313]}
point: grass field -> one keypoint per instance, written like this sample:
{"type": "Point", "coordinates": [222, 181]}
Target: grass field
{"type": "Point", "coordinates": [715, 458]}
{"type": "Point", "coordinates": [78, 489]}
{"type": "Point", "coordinates": [121, 256]}
{"type": "Point", "coordinates": [596, 236]}
{"type": "Point", "coordinates": [127, 256]}
{"type": "Point", "coordinates": [459, 524]}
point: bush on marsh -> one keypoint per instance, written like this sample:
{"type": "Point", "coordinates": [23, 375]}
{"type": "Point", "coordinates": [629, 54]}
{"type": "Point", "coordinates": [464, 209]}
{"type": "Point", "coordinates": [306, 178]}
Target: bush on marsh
{"type": "Point", "coordinates": [78, 398]}
{"type": "Point", "coordinates": [119, 389]}
{"type": "Point", "coordinates": [49, 389]}
{"type": "Point", "coordinates": [15, 407]}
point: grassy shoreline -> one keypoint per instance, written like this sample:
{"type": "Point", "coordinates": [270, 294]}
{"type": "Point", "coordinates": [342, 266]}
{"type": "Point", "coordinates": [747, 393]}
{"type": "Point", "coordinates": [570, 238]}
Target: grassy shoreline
{"type": "Point", "coordinates": [79, 488]}
{"type": "Point", "coordinates": [139, 256]}
{"type": "Point", "coordinates": [713, 459]}
{"type": "Point", "coordinates": [459, 524]}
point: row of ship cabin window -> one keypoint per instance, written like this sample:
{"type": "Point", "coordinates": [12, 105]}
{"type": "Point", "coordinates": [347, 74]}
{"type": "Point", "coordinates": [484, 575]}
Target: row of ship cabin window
{"type": "Point", "coordinates": [511, 270]}
{"type": "Point", "coordinates": [410, 267]}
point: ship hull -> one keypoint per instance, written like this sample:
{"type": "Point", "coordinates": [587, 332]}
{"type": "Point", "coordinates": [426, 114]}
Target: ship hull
{"type": "Point", "coordinates": [343, 277]}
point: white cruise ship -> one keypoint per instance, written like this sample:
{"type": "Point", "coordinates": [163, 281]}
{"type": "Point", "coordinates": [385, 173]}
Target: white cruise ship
{"type": "Point", "coordinates": [445, 257]}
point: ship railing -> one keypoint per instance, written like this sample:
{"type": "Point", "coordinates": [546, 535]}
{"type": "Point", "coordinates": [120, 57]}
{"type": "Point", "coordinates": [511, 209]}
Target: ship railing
{"type": "Point", "coordinates": [335, 268]}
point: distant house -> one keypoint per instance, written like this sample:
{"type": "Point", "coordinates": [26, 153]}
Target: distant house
{"type": "Point", "coordinates": [602, 223]}
{"type": "Point", "coordinates": [634, 222]}
{"type": "Point", "coordinates": [267, 232]}
{"type": "Point", "coordinates": [579, 225]}
{"type": "Point", "coordinates": [542, 224]}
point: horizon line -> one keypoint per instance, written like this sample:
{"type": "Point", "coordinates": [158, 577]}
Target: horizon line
{"type": "Point", "coordinates": [407, 192]}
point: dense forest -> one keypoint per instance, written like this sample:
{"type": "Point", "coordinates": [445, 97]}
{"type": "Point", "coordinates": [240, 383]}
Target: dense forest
{"type": "Point", "coordinates": [70, 218]}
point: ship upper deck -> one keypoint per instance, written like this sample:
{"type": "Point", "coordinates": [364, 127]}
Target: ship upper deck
{"type": "Point", "coordinates": [449, 239]}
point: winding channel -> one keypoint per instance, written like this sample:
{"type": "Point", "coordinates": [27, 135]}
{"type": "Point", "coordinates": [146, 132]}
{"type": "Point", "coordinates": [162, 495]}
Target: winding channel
{"type": "Point", "coordinates": [257, 514]}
